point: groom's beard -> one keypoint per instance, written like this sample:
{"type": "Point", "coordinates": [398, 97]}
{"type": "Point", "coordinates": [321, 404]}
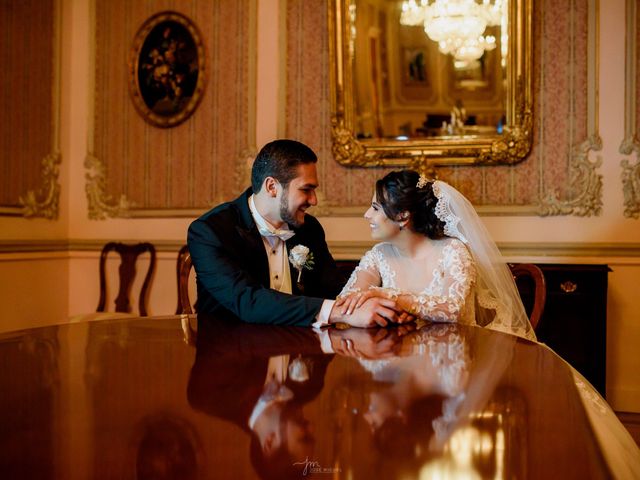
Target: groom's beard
{"type": "Point", "coordinates": [285, 214]}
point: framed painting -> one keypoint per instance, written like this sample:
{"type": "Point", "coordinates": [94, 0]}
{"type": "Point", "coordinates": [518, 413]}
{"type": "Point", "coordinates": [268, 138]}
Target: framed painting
{"type": "Point", "coordinates": [167, 69]}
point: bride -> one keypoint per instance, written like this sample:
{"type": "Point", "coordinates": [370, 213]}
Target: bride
{"type": "Point", "coordinates": [436, 258]}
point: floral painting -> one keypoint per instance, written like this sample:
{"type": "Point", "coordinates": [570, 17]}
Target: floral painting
{"type": "Point", "coordinates": [167, 69]}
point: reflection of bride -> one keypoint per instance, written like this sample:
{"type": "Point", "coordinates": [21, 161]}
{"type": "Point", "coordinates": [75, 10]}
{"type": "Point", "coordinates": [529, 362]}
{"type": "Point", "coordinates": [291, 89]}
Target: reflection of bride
{"type": "Point", "coordinates": [429, 380]}
{"type": "Point", "coordinates": [441, 378]}
{"type": "Point", "coordinates": [436, 259]}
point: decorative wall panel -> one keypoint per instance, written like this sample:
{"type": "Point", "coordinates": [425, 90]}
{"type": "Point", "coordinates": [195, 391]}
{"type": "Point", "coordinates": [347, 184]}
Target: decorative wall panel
{"type": "Point", "coordinates": [631, 144]}
{"type": "Point", "coordinates": [137, 169]}
{"type": "Point", "coordinates": [29, 92]}
{"type": "Point", "coordinates": [558, 178]}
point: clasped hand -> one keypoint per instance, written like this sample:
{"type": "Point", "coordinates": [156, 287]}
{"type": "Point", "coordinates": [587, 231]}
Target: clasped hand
{"type": "Point", "coordinates": [369, 344]}
{"type": "Point", "coordinates": [370, 308]}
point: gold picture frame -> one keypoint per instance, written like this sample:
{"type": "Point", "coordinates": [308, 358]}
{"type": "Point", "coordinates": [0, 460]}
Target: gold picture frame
{"type": "Point", "coordinates": [425, 154]}
{"type": "Point", "coordinates": [167, 73]}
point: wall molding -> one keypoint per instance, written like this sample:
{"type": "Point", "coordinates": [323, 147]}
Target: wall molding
{"type": "Point", "coordinates": [44, 201]}
{"type": "Point", "coordinates": [585, 181]}
{"type": "Point", "coordinates": [343, 250]}
{"type": "Point", "coordinates": [106, 201]}
{"type": "Point", "coordinates": [630, 145]}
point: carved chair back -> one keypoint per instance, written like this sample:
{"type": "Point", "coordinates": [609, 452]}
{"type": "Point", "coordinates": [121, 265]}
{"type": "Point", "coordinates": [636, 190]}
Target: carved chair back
{"type": "Point", "coordinates": [523, 271]}
{"type": "Point", "coordinates": [183, 269]}
{"type": "Point", "coordinates": [127, 272]}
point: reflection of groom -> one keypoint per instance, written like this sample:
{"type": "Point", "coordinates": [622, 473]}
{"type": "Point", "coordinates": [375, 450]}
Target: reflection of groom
{"type": "Point", "coordinates": [240, 250]}
{"type": "Point", "coordinates": [259, 378]}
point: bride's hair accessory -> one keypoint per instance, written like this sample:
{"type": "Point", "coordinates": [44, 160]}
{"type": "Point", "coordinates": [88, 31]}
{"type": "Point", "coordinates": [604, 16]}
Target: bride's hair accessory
{"type": "Point", "coordinates": [445, 214]}
{"type": "Point", "coordinates": [422, 182]}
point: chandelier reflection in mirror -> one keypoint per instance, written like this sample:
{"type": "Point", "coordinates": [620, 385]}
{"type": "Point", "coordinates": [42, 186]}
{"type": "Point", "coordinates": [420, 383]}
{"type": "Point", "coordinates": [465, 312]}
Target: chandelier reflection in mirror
{"type": "Point", "coordinates": [458, 26]}
{"type": "Point", "coordinates": [428, 83]}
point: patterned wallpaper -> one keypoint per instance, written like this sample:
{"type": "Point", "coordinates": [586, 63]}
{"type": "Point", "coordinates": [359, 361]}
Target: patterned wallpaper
{"type": "Point", "coordinates": [28, 137]}
{"type": "Point", "coordinates": [559, 176]}
{"type": "Point", "coordinates": [630, 145]}
{"type": "Point", "coordinates": [135, 168]}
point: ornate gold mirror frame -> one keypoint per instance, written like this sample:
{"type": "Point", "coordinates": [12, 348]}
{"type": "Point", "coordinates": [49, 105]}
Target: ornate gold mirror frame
{"type": "Point", "coordinates": [424, 154]}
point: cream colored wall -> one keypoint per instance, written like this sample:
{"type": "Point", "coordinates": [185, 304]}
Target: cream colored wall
{"type": "Point", "coordinates": [42, 288]}
{"type": "Point", "coordinates": [34, 289]}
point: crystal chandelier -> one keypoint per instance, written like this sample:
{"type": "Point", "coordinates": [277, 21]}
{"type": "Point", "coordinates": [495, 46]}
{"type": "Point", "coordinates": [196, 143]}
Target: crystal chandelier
{"type": "Point", "coordinates": [456, 25]}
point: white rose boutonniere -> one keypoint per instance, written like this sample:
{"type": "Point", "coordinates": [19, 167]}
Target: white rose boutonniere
{"type": "Point", "coordinates": [301, 257]}
{"type": "Point", "coordinates": [298, 370]}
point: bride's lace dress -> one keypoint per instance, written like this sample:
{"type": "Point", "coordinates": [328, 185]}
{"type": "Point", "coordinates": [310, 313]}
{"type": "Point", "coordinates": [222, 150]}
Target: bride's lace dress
{"type": "Point", "coordinates": [439, 286]}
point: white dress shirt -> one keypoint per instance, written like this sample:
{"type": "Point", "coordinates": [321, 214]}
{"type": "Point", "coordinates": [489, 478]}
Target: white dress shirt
{"type": "Point", "coordinates": [279, 273]}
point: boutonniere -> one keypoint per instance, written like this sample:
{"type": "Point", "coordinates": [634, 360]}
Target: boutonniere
{"type": "Point", "coordinates": [301, 258]}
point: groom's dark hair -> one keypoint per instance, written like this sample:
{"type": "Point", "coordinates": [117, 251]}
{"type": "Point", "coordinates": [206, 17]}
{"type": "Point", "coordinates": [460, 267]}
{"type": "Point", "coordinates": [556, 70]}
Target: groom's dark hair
{"type": "Point", "coordinates": [279, 159]}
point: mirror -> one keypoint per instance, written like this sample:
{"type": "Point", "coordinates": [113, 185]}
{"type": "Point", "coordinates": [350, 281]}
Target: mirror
{"type": "Point", "coordinates": [400, 98]}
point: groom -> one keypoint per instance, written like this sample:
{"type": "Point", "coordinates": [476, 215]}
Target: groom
{"type": "Point", "coordinates": [240, 250]}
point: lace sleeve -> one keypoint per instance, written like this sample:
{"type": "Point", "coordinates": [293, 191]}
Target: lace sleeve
{"type": "Point", "coordinates": [457, 274]}
{"type": "Point", "coordinates": [365, 275]}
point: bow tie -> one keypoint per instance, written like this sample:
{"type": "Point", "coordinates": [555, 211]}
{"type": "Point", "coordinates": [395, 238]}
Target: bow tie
{"type": "Point", "coordinates": [282, 234]}
{"type": "Point", "coordinates": [276, 392]}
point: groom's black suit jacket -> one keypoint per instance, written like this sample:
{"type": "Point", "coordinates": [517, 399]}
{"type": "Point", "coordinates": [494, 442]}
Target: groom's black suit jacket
{"type": "Point", "coordinates": [232, 268]}
{"type": "Point", "coordinates": [232, 358]}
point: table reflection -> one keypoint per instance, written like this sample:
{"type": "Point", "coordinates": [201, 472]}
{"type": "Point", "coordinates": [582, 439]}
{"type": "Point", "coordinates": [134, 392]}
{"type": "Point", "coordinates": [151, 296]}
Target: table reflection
{"type": "Point", "coordinates": [418, 396]}
{"type": "Point", "coordinates": [259, 379]}
{"type": "Point", "coordinates": [175, 398]}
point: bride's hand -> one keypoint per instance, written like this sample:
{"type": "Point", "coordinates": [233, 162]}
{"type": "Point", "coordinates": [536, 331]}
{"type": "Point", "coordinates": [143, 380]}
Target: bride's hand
{"type": "Point", "coordinates": [403, 316]}
{"type": "Point", "coordinates": [355, 300]}
{"type": "Point", "coordinates": [348, 302]}
{"type": "Point", "coordinates": [364, 296]}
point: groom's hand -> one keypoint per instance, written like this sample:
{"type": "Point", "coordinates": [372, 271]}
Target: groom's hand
{"type": "Point", "coordinates": [351, 302]}
{"type": "Point", "coordinates": [376, 311]}
{"type": "Point", "coordinates": [366, 343]}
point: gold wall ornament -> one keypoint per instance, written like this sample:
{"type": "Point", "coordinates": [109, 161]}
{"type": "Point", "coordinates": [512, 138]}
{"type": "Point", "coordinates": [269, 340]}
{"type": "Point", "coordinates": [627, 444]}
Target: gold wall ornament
{"type": "Point", "coordinates": [515, 143]}
{"type": "Point", "coordinates": [44, 202]}
{"type": "Point", "coordinates": [631, 187]}
{"type": "Point", "coordinates": [100, 204]}
{"type": "Point", "coordinates": [467, 145]}
{"type": "Point", "coordinates": [346, 149]}
{"type": "Point", "coordinates": [586, 184]}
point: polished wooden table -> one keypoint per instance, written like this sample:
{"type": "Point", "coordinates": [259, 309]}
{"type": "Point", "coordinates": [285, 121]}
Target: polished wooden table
{"type": "Point", "coordinates": [174, 397]}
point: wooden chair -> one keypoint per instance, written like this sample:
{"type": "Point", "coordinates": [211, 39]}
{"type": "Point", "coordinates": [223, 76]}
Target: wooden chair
{"type": "Point", "coordinates": [183, 269]}
{"type": "Point", "coordinates": [523, 271]}
{"type": "Point", "coordinates": [127, 271]}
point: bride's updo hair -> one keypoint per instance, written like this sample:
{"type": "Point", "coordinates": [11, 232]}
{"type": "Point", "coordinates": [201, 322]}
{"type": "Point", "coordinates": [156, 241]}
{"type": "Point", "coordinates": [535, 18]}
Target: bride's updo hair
{"type": "Point", "coordinates": [398, 192]}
